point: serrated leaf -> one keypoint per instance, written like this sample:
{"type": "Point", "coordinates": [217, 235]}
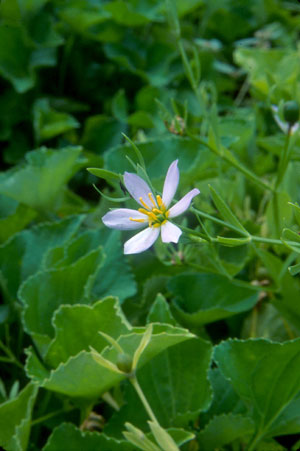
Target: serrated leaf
{"type": "Point", "coordinates": [15, 419]}
{"type": "Point", "coordinates": [70, 437]}
{"type": "Point", "coordinates": [115, 276]}
{"type": "Point", "coordinates": [23, 254]}
{"type": "Point", "coordinates": [225, 429]}
{"type": "Point", "coordinates": [203, 298]}
{"type": "Point", "coordinates": [179, 377]}
{"type": "Point", "coordinates": [44, 292]}
{"type": "Point", "coordinates": [34, 184]}
{"type": "Point", "coordinates": [77, 326]}
{"type": "Point", "coordinates": [67, 378]}
{"type": "Point", "coordinates": [265, 375]}
{"type": "Point", "coordinates": [160, 312]}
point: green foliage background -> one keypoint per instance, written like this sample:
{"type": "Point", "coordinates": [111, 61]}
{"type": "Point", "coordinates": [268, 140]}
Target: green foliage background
{"type": "Point", "coordinates": [196, 80]}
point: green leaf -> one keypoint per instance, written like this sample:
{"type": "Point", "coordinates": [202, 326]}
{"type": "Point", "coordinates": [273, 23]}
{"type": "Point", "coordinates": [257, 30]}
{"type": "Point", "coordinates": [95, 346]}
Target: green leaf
{"type": "Point", "coordinates": [115, 276]}
{"type": "Point", "coordinates": [203, 298]}
{"type": "Point", "coordinates": [15, 419]}
{"type": "Point", "coordinates": [139, 439]}
{"type": "Point", "coordinates": [77, 326]}
{"type": "Point", "coordinates": [225, 429]}
{"type": "Point", "coordinates": [178, 376]}
{"type": "Point", "coordinates": [34, 184]}
{"type": "Point", "coordinates": [67, 378]}
{"type": "Point", "coordinates": [193, 159]}
{"type": "Point", "coordinates": [109, 176]}
{"type": "Point", "coordinates": [160, 312]}
{"type": "Point", "coordinates": [44, 292]}
{"type": "Point", "coordinates": [19, 58]}
{"type": "Point", "coordinates": [294, 270]}
{"type": "Point", "coordinates": [23, 254]}
{"type": "Point", "coordinates": [289, 235]}
{"type": "Point", "coordinates": [225, 211]}
{"type": "Point", "coordinates": [162, 437]}
{"type": "Point", "coordinates": [265, 376]}
{"type": "Point", "coordinates": [68, 436]}
{"type": "Point", "coordinates": [48, 122]}
{"type": "Point", "coordinates": [15, 219]}
{"type": "Point", "coordinates": [233, 242]}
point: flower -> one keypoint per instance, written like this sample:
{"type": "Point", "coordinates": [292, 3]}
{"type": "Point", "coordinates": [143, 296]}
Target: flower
{"type": "Point", "coordinates": [155, 212]}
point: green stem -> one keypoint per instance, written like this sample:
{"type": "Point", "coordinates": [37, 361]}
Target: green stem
{"type": "Point", "coordinates": [142, 397]}
{"type": "Point", "coordinates": [258, 239]}
{"type": "Point", "coordinates": [230, 159]}
{"type": "Point", "coordinates": [284, 159]}
{"type": "Point", "coordinates": [50, 415]}
{"type": "Point", "coordinates": [10, 355]}
{"type": "Point", "coordinates": [217, 221]}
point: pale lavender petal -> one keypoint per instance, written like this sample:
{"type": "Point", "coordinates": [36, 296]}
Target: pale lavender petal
{"type": "Point", "coordinates": [137, 187]}
{"type": "Point", "coordinates": [171, 183]}
{"type": "Point", "coordinates": [183, 204]}
{"type": "Point", "coordinates": [142, 241]}
{"type": "Point", "coordinates": [170, 233]}
{"type": "Point", "coordinates": [120, 219]}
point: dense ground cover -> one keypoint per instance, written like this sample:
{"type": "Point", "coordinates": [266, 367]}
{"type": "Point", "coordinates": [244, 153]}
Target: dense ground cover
{"type": "Point", "coordinates": [191, 346]}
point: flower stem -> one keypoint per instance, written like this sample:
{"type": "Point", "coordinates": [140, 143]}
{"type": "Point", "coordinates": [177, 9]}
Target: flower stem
{"type": "Point", "coordinates": [284, 158]}
{"type": "Point", "coordinates": [142, 397]}
{"type": "Point", "coordinates": [11, 357]}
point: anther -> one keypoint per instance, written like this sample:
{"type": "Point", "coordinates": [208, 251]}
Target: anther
{"type": "Point", "coordinates": [151, 199]}
{"type": "Point", "coordinates": [144, 204]}
{"type": "Point", "coordinates": [137, 220]}
{"type": "Point", "coordinates": [159, 201]}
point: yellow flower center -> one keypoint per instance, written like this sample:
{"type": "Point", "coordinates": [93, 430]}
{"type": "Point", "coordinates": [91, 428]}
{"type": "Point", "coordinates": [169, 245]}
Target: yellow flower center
{"type": "Point", "coordinates": [156, 216]}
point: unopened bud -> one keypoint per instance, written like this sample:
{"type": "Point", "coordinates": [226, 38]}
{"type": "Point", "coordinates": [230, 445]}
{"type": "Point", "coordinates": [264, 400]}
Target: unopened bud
{"type": "Point", "coordinates": [291, 112]}
{"type": "Point", "coordinates": [124, 362]}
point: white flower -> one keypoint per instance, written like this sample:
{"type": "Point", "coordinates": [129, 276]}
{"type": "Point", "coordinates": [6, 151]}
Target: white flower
{"type": "Point", "coordinates": [154, 213]}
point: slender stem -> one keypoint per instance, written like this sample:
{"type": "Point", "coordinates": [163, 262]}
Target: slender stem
{"type": "Point", "coordinates": [284, 159]}
{"type": "Point", "coordinates": [258, 239]}
{"type": "Point", "coordinates": [239, 166]}
{"type": "Point", "coordinates": [218, 221]}
{"type": "Point", "coordinates": [142, 397]}
{"type": "Point", "coordinates": [10, 355]}
{"type": "Point", "coordinates": [51, 415]}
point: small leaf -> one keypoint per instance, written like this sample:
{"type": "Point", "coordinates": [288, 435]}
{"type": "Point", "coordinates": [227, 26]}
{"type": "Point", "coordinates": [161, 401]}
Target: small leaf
{"type": "Point", "coordinates": [15, 419]}
{"type": "Point", "coordinates": [104, 362]}
{"type": "Point", "coordinates": [143, 344]}
{"type": "Point", "coordinates": [233, 242]}
{"type": "Point", "coordinates": [162, 437]}
{"type": "Point", "coordinates": [109, 176]}
{"type": "Point", "coordinates": [294, 270]}
{"type": "Point", "coordinates": [225, 211]}
{"type": "Point", "coordinates": [139, 439]}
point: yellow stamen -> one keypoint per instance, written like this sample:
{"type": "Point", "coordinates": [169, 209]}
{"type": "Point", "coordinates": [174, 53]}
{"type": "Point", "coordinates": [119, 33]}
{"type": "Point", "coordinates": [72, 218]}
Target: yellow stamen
{"type": "Point", "coordinates": [157, 211]}
{"type": "Point", "coordinates": [159, 201]}
{"type": "Point", "coordinates": [148, 213]}
{"type": "Point", "coordinates": [137, 220]}
{"type": "Point", "coordinates": [157, 224]}
{"type": "Point", "coordinates": [144, 204]}
{"type": "Point", "coordinates": [151, 199]}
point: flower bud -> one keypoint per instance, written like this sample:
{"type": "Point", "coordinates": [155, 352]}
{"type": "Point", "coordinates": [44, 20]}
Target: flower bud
{"type": "Point", "coordinates": [124, 362]}
{"type": "Point", "coordinates": [291, 112]}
